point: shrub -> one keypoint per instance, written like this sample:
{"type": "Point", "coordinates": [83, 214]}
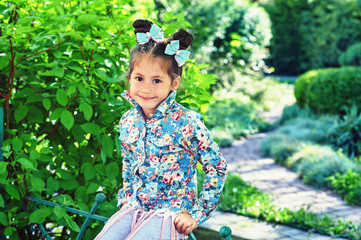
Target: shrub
{"type": "Point", "coordinates": [63, 65]}
{"type": "Point", "coordinates": [232, 115]}
{"type": "Point", "coordinates": [301, 85]}
{"type": "Point", "coordinates": [311, 34]}
{"type": "Point", "coordinates": [309, 128]}
{"type": "Point", "coordinates": [245, 39]}
{"type": "Point", "coordinates": [328, 28]}
{"type": "Point", "coordinates": [346, 134]}
{"type": "Point", "coordinates": [279, 146]}
{"type": "Point", "coordinates": [352, 56]}
{"type": "Point", "coordinates": [348, 185]}
{"type": "Point", "coordinates": [284, 149]}
{"type": "Point", "coordinates": [329, 90]}
{"type": "Point", "coordinates": [286, 42]}
{"type": "Point", "coordinates": [316, 163]}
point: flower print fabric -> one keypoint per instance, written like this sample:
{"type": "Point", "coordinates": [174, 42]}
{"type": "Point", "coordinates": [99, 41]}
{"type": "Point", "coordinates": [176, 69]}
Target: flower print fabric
{"type": "Point", "coordinates": [160, 158]}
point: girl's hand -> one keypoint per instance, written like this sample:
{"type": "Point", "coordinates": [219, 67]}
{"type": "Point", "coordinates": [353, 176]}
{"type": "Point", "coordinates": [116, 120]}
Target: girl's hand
{"type": "Point", "coordinates": [184, 223]}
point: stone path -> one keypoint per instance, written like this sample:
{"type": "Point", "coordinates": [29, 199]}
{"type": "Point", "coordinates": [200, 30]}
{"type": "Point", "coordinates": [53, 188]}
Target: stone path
{"type": "Point", "coordinates": [282, 184]}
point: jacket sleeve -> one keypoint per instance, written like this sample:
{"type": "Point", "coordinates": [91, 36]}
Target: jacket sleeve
{"type": "Point", "coordinates": [126, 191]}
{"type": "Point", "coordinates": [207, 152]}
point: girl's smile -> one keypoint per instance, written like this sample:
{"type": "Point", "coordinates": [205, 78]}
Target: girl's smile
{"type": "Point", "coordinates": [150, 84]}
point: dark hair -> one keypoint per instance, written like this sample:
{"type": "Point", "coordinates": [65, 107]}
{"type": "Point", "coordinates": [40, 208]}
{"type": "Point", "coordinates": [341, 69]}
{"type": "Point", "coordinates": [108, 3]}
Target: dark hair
{"type": "Point", "coordinates": [156, 49]}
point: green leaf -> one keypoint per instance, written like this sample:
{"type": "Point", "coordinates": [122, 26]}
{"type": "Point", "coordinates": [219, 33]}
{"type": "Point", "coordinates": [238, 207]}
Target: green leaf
{"type": "Point", "coordinates": [103, 156]}
{"type": "Point", "coordinates": [100, 169]}
{"type": "Point", "coordinates": [3, 166]}
{"type": "Point", "coordinates": [91, 128]}
{"type": "Point", "coordinates": [3, 219]}
{"type": "Point", "coordinates": [89, 173]}
{"type": "Point", "coordinates": [71, 223]}
{"type": "Point", "coordinates": [59, 212]}
{"type": "Point", "coordinates": [56, 114]}
{"type": "Point", "coordinates": [27, 164]}
{"type": "Point", "coordinates": [57, 72]}
{"type": "Point", "coordinates": [2, 202]}
{"type": "Point", "coordinates": [70, 184]}
{"type": "Point", "coordinates": [87, 110]}
{"type": "Point", "coordinates": [81, 195]}
{"type": "Point", "coordinates": [93, 187]}
{"type": "Point", "coordinates": [39, 215]}
{"type": "Point", "coordinates": [52, 185]}
{"type": "Point", "coordinates": [76, 68]}
{"type": "Point", "coordinates": [17, 144]}
{"type": "Point", "coordinates": [65, 200]}
{"type": "Point", "coordinates": [20, 112]}
{"type": "Point", "coordinates": [112, 170]}
{"type": "Point", "coordinates": [46, 103]}
{"type": "Point", "coordinates": [67, 119]}
{"type": "Point", "coordinates": [108, 145]}
{"type": "Point", "coordinates": [87, 19]}
{"type": "Point", "coordinates": [35, 115]}
{"type": "Point", "coordinates": [37, 183]}
{"type": "Point", "coordinates": [62, 97]}
{"type": "Point", "coordinates": [4, 62]}
{"type": "Point", "coordinates": [12, 191]}
{"type": "Point", "coordinates": [71, 90]}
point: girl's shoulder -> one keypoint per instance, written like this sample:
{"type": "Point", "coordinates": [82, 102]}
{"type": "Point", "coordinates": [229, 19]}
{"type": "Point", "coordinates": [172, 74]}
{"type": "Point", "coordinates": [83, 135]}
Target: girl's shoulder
{"type": "Point", "coordinates": [186, 115]}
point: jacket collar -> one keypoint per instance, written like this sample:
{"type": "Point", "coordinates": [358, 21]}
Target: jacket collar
{"type": "Point", "coordinates": [162, 107]}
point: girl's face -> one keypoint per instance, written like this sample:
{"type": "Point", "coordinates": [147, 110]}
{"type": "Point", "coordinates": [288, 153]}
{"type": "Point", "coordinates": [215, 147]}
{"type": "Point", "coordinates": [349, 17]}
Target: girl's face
{"type": "Point", "coordinates": [150, 84]}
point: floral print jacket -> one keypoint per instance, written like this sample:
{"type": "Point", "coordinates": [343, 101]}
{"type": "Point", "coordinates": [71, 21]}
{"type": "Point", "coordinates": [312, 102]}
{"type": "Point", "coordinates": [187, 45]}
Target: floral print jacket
{"type": "Point", "coordinates": [160, 158]}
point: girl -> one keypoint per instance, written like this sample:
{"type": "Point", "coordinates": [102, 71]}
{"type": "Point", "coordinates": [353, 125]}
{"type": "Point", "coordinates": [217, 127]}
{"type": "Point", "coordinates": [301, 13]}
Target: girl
{"type": "Point", "coordinates": [161, 144]}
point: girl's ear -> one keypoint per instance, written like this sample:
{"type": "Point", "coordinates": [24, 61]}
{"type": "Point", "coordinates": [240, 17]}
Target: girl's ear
{"type": "Point", "coordinates": [175, 83]}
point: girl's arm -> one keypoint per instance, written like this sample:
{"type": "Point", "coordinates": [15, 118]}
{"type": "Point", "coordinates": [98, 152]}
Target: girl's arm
{"type": "Point", "coordinates": [126, 191]}
{"type": "Point", "coordinates": [214, 165]}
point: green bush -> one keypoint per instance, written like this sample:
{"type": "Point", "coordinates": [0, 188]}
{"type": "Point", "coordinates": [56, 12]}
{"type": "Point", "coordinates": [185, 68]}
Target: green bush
{"type": "Point", "coordinates": [352, 56]}
{"type": "Point", "coordinates": [309, 129]}
{"type": "Point", "coordinates": [316, 163]}
{"type": "Point", "coordinates": [286, 43]}
{"type": "Point", "coordinates": [63, 66]}
{"type": "Point", "coordinates": [329, 90]}
{"type": "Point", "coordinates": [348, 185]}
{"type": "Point", "coordinates": [280, 146]}
{"type": "Point", "coordinates": [281, 151]}
{"type": "Point", "coordinates": [245, 39]}
{"type": "Point", "coordinates": [311, 34]}
{"type": "Point", "coordinates": [346, 134]}
{"type": "Point", "coordinates": [301, 85]}
{"type": "Point", "coordinates": [234, 116]}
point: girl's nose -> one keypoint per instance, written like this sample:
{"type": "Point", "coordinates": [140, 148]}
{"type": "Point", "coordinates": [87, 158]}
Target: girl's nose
{"type": "Point", "coordinates": [146, 87]}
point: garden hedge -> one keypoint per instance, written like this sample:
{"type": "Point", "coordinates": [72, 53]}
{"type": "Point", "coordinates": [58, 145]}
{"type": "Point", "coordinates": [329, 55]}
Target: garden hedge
{"type": "Point", "coordinates": [329, 90]}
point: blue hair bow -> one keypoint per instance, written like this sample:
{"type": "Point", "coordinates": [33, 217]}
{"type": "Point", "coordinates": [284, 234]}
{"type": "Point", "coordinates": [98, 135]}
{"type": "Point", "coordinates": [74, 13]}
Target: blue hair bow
{"type": "Point", "coordinates": [154, 33]}
{"type": "Point", "coordinates": [180, 55]}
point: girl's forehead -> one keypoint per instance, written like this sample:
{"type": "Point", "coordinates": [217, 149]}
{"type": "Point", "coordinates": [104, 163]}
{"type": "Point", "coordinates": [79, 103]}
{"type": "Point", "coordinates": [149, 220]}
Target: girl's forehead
{"type": "Point", "coordinates": [150, 63]}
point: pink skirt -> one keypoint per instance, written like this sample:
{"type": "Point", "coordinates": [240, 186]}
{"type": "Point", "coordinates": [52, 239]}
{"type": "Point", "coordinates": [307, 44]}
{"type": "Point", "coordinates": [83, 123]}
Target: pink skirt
{"type": "Point", "coordinates": [136, 224]}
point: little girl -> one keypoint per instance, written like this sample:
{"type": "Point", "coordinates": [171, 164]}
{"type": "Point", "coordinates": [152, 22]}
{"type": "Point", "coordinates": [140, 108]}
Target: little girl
{"type": "Point", "coordinates": [161, 144]}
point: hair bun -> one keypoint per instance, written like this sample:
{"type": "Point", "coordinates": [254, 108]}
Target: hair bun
{"type": "Point", "coordinates": [142, 25]}
{"type": "Point", "coordinates": [184, 37]}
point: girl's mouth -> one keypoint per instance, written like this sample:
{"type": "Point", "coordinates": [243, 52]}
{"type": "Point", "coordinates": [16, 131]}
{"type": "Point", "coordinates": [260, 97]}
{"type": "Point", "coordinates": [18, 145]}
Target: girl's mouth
{"type": "Point", "coordinates": [146, 98]}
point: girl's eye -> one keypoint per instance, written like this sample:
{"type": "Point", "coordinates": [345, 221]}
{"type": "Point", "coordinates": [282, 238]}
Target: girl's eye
{"type": "Point", "coordinates": [156, 81]}
{"type": "Point", "coordinates": [139, 79]}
